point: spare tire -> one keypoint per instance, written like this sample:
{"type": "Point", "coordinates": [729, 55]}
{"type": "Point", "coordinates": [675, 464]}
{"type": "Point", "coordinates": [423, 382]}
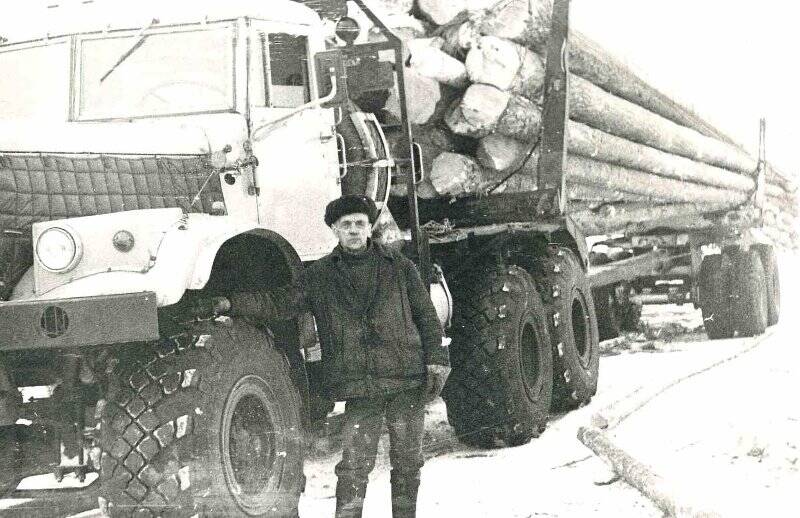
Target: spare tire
{"type": "Point", "coordinates": [573, 328]}
{"type": "Point", "coordinates": [751, 297]}
{"type": "Point", "coordinates": [501, 383]}
{"type": "Point", "coordinates": [714, 282]}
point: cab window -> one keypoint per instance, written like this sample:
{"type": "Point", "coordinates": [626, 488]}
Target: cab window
{"type": "Point", "coordinates": [280, 70]}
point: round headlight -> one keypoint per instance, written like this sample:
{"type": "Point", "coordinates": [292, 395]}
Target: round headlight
{"type": "Point", "coordinates": [57, 249]}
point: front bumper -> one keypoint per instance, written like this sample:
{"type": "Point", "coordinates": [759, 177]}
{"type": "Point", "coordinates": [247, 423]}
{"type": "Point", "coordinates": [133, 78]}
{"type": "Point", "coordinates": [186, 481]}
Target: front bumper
{"type": "Point", "coordinates": [75, 322]}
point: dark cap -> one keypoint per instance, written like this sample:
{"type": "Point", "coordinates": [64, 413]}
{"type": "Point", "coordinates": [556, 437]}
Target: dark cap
{"type": "Point", "coordinates": [350, 204]}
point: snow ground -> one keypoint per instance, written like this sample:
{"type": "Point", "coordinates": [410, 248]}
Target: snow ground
{"type": "Point", "coordinates": [728, 437]}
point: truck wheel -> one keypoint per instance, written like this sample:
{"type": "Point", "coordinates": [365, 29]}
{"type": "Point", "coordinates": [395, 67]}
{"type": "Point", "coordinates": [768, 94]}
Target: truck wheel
{"type": "Point", "coordinates": [773, 282]}
{"type": "Point", "coordinates": [206, 423]}
{"type": "Point", "coordinates": [8, 459]}
{"type": "Point", "coordinates": [573, 327]}
{"type": "Point", "coordinates": [715, 295]}
{"type": "Point", "coordinates": [751, 302]}
{"type": "Point", "coordinates": [501, 383]}
{"type": "Point", "coordinates": [630, 315]}
{"type": "Point", "coordinates": [605, 307]}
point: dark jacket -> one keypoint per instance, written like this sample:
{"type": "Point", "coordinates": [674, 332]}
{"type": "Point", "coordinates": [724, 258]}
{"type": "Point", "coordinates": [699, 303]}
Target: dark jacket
{"type": "Point", "coordinates": [364, 353]}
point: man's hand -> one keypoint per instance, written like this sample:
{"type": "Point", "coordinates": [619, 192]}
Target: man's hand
{"type": "Point", "coordinates": [203, 307]}
{"type": "Point", "coordinates": [437, 376]}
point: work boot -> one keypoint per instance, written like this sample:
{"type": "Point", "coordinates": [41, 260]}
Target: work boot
{"type": "Point", "coordinates": [404, 496]}
{"type": "Point", "coordinates": [350, 498]}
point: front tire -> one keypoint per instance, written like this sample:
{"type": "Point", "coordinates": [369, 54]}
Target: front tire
{"type": "Point", "coordinates": [207, 422]}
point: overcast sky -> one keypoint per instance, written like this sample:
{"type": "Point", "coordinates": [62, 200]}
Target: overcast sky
{"type": "Point", "coordinates": [731, 60]}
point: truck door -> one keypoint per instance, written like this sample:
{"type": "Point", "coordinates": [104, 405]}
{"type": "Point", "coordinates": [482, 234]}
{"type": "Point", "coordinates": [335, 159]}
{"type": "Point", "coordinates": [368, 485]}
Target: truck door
{"type": "Point", "coordinates": [298, 170]}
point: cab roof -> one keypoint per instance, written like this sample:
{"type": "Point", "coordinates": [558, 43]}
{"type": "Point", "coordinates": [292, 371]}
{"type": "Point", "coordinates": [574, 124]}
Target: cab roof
{"type": "Point", "coordinates": [65, 17]}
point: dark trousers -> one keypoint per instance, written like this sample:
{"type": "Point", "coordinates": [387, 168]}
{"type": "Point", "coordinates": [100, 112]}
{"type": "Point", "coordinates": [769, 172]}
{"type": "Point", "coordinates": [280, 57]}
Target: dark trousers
{"type": "Point", "coordinates": [405, 418]}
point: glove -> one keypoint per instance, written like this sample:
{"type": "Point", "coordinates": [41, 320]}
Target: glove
{"type": "Point", "coordinates": [437, 376]}
{"type": "Point", "coordinates": [202, 307]}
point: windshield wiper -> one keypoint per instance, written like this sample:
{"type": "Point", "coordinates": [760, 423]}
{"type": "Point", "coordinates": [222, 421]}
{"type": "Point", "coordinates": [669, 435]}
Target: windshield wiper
{"type": "Point", "coordinates": [127, 53]}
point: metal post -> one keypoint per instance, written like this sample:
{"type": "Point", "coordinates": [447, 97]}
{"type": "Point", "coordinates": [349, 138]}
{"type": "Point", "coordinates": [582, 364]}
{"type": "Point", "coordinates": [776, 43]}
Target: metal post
{"type": "Point", "coordinates": [418, 240]}
{"type": "Point", "coordinates": [556, 107]}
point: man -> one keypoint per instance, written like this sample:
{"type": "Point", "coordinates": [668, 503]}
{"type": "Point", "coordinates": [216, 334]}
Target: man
{"type": "Point", "coordinates": [382, 349]}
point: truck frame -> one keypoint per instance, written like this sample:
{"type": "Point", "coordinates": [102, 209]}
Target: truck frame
{"type": "Point", "coordinates": [202, 178]}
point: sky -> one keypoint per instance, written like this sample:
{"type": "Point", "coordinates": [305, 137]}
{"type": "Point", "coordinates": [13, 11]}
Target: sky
{"type": "Point", "coordinates": [732, 61]}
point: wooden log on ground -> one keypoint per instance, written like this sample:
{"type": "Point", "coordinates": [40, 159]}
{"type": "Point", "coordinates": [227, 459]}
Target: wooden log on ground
{"type": "Point", "coordinates": [643, 478]}
{"type": "Point", "coordinates": [507, 66]}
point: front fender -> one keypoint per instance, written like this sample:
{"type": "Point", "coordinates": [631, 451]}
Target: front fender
{"type": "Point", "coordinates": [183, 261]}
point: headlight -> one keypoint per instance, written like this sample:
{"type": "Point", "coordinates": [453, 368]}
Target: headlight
{"type": "Point", "coordinates": [58, 249]}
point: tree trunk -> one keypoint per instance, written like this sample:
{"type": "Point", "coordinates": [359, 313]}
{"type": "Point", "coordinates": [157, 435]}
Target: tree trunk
{"type": "Point", "coordinates": [507, 66]}
{"type": "Point", "coordinates": [428, 98]}
{"type": "Point", "coordinates": [484, 109]}
{"type": "Point", "coordinates": [640, 476]}
{"type": "Point", "coordinates": [626, 217]}
{"type": "Point", "coordinates": [528, 23]}
{"type": "Point", "coordinates": [454, 174]}
{"type": "Point", "coordinates": [434, 63]}
{"type": "Point", "coordinates": [593, 106]}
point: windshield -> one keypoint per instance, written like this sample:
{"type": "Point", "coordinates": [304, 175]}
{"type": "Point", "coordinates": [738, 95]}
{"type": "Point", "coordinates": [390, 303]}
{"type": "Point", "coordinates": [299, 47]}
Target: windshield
{"type": "Point", "coordinates": [34, 83]}
{"type": "Point", "coordinates": [161, 74]}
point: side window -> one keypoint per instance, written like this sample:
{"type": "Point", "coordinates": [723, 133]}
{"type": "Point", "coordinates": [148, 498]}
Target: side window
{"type": "Point", "coordinates": [280, 70]}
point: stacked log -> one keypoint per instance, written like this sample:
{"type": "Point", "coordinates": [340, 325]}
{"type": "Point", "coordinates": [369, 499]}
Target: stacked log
{"type": "Point", "coordinates": [636, 158]}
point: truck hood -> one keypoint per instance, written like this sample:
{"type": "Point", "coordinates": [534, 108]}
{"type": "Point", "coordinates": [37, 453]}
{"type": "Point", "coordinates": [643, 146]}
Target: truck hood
{"type": "Point", "coordinates": [185, 135]}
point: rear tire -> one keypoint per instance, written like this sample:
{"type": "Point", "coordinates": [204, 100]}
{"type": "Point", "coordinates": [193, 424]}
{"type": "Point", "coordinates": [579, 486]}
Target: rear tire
{"type": "Point", "coordinates": [206, 423]}
{"type": "Point", "coordinates": [716, 301]}
{"type": "Point", "coordinates": [573, 328]}
{"type": "Point", "coordinates": [751, 301]}
{"type": "Point", "coordinates": [773, 281]}
{"type": "Point", "coordinates": [8, 459]}
{"type": "Point", "coordinates": [605, 307]}
{"type": "Point", "coordinates": [501, 384]}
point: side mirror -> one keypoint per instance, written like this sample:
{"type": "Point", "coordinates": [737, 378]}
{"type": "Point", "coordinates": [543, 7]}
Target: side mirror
{"type": "Point", "coordinates": [330, 67]}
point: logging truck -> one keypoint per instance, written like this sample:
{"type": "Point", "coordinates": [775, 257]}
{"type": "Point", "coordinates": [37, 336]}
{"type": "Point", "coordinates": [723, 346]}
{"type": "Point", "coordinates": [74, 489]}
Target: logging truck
{"type": "Point", "coordinates": [151, 156]}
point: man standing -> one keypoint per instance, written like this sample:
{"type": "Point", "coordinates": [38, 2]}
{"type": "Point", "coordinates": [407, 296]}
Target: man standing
{"type": "Point", "coordinates": [382, 350]}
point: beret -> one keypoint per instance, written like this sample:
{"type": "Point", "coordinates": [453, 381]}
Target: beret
{"type": "Point", "coordinates": [350, 204]}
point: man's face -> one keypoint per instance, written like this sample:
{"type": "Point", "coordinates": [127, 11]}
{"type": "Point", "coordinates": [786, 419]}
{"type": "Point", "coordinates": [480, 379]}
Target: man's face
{"type": "Point", "coordinates": [352, 231]}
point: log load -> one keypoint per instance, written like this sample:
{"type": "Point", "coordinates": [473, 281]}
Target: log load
{"type": "Point", "coordinates": [636, 160]}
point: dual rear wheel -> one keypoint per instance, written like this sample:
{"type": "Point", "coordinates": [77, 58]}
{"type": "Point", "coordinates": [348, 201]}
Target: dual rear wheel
{"type": "Point", "coordinates": [739, 292]}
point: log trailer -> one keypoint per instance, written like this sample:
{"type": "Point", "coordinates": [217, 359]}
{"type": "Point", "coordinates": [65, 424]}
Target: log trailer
{"type": "Point", "coordinates": [151, 158]}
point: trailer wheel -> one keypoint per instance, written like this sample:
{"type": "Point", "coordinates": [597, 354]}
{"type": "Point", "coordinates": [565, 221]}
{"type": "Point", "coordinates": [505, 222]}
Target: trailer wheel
{"type": "Point", "coordinates": [501, 383]}
{"type": "Point", "coordinates": [205, 423]}
{"type": "Point", "coordinates": [716, 296]}
{"type": "Point", "coordinates": [773, 281]}
{"type": "Point", "coordinates": [606, 307]}
{"type": "Point", "coordinates": [573, 328]}
{"type": "Point", "coordinates": [751, 301]}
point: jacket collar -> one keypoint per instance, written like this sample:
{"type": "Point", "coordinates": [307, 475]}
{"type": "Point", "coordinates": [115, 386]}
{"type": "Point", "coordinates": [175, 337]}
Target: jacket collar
{"type": "Point", "coordinates": [337, 252]}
